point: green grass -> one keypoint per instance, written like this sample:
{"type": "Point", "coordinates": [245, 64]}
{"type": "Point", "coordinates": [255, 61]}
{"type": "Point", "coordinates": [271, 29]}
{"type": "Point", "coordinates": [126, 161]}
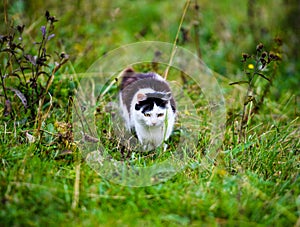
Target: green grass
{"type": "Point", "coordinates": [252, 182]}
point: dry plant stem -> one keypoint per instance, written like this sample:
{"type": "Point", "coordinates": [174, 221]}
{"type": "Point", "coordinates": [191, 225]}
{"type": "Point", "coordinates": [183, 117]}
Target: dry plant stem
{"type": "Point", "coordinates": [76, 186]}
{"type": "Point", "coordinates": [244, 113]}
{"type": "Point", "coordinates": [257, 107]}
{"type": "Point", "coordinates": [39, 118]}
{"type": "Point", "coordinates": [187, 3]}
{"type": "Point", "coordinates": [50, 106]}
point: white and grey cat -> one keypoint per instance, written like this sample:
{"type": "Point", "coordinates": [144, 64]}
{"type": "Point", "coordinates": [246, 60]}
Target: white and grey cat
{"type": "Point", "coordinates": [148, 107]}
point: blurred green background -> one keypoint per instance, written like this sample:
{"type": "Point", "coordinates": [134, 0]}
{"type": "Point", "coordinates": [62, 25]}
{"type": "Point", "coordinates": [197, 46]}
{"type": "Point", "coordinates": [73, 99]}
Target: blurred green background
{"type": "Point", "coordinates": [225, 29]}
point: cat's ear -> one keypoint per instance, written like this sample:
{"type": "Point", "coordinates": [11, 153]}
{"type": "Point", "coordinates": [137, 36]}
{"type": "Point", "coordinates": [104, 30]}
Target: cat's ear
{"type": "Point", "coordinates": [128, 76]}
{"type": "Point", "coordinates": [141, 97]}
{"type": "Point", "coordinates": [128, 71]}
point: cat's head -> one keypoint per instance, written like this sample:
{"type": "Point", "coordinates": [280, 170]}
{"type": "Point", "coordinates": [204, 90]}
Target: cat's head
{"type": "Point", "coordinates": [151, 108]}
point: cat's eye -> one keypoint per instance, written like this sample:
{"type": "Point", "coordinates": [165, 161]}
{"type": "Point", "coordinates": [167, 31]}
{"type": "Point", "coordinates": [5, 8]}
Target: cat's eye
{"type": "Point", "coordinates": [160, 115]}
{"type": "Point", "coordinates": [147, 115]}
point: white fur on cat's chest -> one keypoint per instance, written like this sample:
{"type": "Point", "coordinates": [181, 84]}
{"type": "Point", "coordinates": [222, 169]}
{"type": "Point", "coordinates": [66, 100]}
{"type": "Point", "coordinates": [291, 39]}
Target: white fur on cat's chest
{"type": "Point", "coordinates": [151, 137]}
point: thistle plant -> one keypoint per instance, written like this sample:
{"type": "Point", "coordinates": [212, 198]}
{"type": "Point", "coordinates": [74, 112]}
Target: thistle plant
{"type": "Point", "coordinates": [27, 73]}
{"type": "Point", "coordinates": [263, 64]}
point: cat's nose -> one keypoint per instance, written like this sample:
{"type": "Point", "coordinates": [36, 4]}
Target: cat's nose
{"type": "Point", "coordinates": [154, 123]}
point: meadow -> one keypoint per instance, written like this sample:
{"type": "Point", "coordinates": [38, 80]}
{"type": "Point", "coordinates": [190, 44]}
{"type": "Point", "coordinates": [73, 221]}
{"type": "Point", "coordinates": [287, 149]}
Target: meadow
{"type": "Point", "coordinates": [240, 145]}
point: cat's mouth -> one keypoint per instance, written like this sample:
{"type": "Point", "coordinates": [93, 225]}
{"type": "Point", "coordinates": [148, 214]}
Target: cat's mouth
{"type": "Point", "coordinates": [154, 125]}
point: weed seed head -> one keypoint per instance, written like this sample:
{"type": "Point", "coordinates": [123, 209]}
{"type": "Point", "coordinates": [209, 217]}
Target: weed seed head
{"type": "Point", "coordinates": [245, 57]}
{"type": "Point", "coordinates": [259, 47]}
{"type": "Point", "coordinates": [264, 54]}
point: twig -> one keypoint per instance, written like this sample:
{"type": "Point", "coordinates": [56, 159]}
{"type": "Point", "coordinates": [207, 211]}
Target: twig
{"type": "Point", "coordinates": [76, 186]}
{"type": "Point", "coordinates": [187, 3]}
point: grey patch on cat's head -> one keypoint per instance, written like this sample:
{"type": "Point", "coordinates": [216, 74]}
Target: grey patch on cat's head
{"type": "Point", "coordinates": [166, 96]}
{"type": "Point", "coordinates": [132, 82]}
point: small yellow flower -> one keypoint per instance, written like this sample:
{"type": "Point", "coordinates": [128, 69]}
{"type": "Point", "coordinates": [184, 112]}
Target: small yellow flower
{"type": "Point", "coordinates": [222, 172]}
{"type": "Point", "coordinates": [250, 66]}
{"type": "Point", "coordinates": [278, 55]}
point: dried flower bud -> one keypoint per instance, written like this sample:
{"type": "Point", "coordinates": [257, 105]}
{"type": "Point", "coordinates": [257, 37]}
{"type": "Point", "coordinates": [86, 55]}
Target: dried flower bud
{"type": "Point", "coordinates": [50, 18]}
{"type": "Point", "coordinates": [47, 15]}
{"type": "Point", "coordinates": [245, 56]}
{"type": "Point", "coordinates": [278, 40]}
{"type": "Point", "coordinates": [278, 56]}
{"type": "Point", "coordinates": [259, 47]}
{"type": "Point", "coordinates": [264, 54]}
{"type": "Point", "coordinates": [63, 55]}
{"type": "Point", "coordinates": [20, 28]}
{"type": "Point", "coordinates": [272, 55]}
